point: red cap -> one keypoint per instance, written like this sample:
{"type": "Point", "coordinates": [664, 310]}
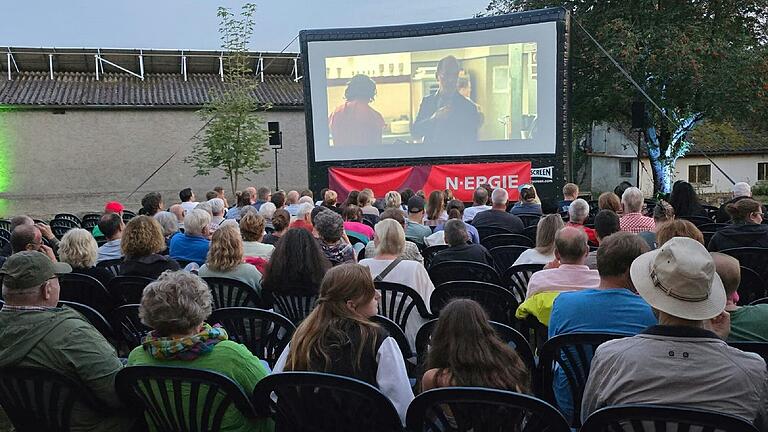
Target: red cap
{"type": "Point", "coordinates": [113, 207]}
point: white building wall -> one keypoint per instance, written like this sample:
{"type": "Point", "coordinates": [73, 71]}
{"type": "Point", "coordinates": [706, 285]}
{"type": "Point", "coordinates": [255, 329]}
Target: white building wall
{"type": "Point", "coordinates": [741, 168]}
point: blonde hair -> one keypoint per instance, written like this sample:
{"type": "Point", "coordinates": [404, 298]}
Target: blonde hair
{"type": "Point", "coordinates": [364, 198]}
{"type": "Point", "coordinates": [252, 226]}
{"type": "Point", "coordinates": [78, 248]}
{"type": "Point", "coordinates": [546, 230]}
{"type": "Point", "coordinates": [392, 200]}
{"type": "Point", "coordinates": [226, 251]}
{"type": "Point", "coordinates": [175, 303]}
{"type": "Point", "coordinates": [142, 236]}
{"type": "Point", "coordinates": [390, 237]}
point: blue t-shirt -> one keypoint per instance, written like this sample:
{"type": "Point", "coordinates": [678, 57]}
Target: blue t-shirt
{"type": "Point", "coordinates": [474, 236]}
{"type": "Point", "coordinates": [615, 310]}
{"type": "Point", "coordinates": [189, 248]}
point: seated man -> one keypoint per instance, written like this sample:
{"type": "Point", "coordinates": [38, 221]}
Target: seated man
{"type": "Point", "coordinates": [748, 323]}
{"type": "Point", "coordinates": [497, 217]}
{"type": "Point", "coordinates": [110, 207]}
{"type": "Point", "coordinates": [304, 217]}
{"type": "Point", "coordinates": [606, 223]}
{"type": "Point", "coordinates": [479, 200]}
{"type": "Point", "coordinates": [632, 220]}
{"type": "Point", "coordinates": [456, 237]}
{"type": "Point", "coordinates": [194, 242]}
{"type": "Point", "coordinates": [44, 229]}
{"type": "Point", "coordinates": [578, 212]}
{"type": "Point", "coordinates": [292, 203]}
{"type": "Point", "coordinates": [568, 271]}
{"type": "Point", "coordinates": [29, 238]}
{"type": "Point", "coordinates": [680, 362]}
{"type": "Point", "coordinates": [415, 230]}
{"type": "Point", "coordinates": [612, 307]}
{"type": "Point", "coordinates": [34, 332]}
{"type": "Point", "coordinates": [111, 225]}
{"type": "Point", "coordinates": [187, 198]}
{"type": "Point", "coordinates": [570, 194]}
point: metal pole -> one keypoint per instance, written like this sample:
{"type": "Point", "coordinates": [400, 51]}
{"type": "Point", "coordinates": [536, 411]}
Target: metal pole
{"type": "Point", "coordinates": [277, 187]}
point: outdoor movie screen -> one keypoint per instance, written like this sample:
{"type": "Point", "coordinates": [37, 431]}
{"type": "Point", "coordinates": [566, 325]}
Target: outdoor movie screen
{"type": "Point", "coordinates": [486, 92]}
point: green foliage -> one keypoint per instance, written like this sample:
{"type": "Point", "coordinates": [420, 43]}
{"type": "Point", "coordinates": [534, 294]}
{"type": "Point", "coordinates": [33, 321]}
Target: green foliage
{"type": "Point", "coordinates": [234, 139]}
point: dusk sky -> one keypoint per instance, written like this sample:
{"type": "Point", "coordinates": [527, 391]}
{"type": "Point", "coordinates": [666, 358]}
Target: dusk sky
{"type": "Point", "coordinates": [192, 24]}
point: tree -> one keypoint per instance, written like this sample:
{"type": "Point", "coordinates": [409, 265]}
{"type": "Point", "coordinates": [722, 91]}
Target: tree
{"type": "Point", "coordinates": [696, 59]}
{"type": "Point", "coordinates": [234, 138]}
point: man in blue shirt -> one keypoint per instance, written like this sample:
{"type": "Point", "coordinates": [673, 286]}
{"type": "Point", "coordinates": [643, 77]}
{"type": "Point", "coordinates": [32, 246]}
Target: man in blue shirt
{"type": "Point", "coordinates": [613, 307]}
{"type": "Point", "coordinates": [193, 243]}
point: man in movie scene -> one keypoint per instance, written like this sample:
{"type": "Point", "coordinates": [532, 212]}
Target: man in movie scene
{"type": "Point", "coordinates": [447, 117]}
{"type": "Point", "coordinates": [355, 123]}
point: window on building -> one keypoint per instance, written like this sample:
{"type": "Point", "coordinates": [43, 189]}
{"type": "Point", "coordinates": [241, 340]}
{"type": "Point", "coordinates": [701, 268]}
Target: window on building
{"type": "Point", "coordinates": [762, 171]}
{"type": "Point", "coordinates": [625, 168]}
{"type": "Point", "coordinates": [700, 174]}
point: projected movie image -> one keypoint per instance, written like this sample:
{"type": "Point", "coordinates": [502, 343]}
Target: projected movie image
{"type": "Point", "coordinates": [451, 98]}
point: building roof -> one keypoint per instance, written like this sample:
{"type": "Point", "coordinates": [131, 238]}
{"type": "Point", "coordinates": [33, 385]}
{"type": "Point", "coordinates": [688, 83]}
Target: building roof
{"type": "Point", "coordinates": [724, 139]}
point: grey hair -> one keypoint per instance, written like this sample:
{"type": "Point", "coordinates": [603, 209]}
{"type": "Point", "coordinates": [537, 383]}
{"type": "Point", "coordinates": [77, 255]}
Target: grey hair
{"type": "Point", "coordinates": [499, 196]}
{"type": "Point", "coordinates": [196, 221]}
{"type": "Point", "coordinates": [329, 225]}
{"type": "Point", "coordinates": [168, 222]}
{"type": "Point", "coordinates": [206, 206]}
{"type": "Point", "coordinates": [217, 206]}
{"type": "Point", "coordinates": [306, 199]}
{"type": "Point", "coordinates": [304, 210]}
{"type": "Point", "coordinates": [742, 189]}
{"type": "Point", "coordinates": [455, 232]}
{"type": "Point", "coordinates": [578, 211]}
{"type": "Point", "coordinates": [392, 199]}
{"type": "Point", "coordinates": [78, 248]}
{"type": "Point", "coordinates": [632, 198]}
{"type": "Point", "coordinates": [175, 303]}
{"type": "Point", "coordinates": [267, 210]}
{"type": "Point", "coordinates": [390, 237]}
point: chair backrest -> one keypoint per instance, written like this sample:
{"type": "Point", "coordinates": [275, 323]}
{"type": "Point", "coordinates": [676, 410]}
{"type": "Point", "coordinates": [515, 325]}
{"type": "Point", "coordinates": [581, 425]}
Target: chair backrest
{"type": "Point", "coordinates": [96, 319]}
{"type": "Point", "coordinates": [87, 290]}
{"type": "Point", "coordinates": [294, 307]}
{"type": "Point", "coordinates": [398, 302]}
{"type": "Point", "coordinates": [112, 265]}
{"type": "Point", "coordinates": [698, 220]}
{"type": "Point", "coordinates": [128, 289]}
{"type": "Point", "coordinates": [264, 333]}
{"type": "Point", "coordinates": [59, 227]}
{"type": "Point", "coordinates": [177, 399]}
{"type": "Point", "coordinates": [499, 302]}
{"type": "Point", "coordinates": [712, 226]}
{"type": "Point", "coordinates": [449, 271]}
{"type": "Point", "coordinates": [516, 278]}
{"type": "Point", "coordinates": [396, 333]}
{"type": "Point", "coordinates": [90, 220]}
{"type": "Point", "coordinates": [128, 215]}
{"type": "Point", "coordinates": [763, 300]}
{"type": "Point", "coordinates": [5, 224]}
{"type": "Point", "coordinates": [751, 286]}
{"type": "Point", "coordinates": [484, 232]}
{"type": "Point", "coordinates": [482, 409]}
{"type": "Point", "coordinates": [325, 403]}
{"type": "Point", "coordinates": [707, 236]}
{"type": "Point", "coordinates": [530, 232]}
{"type": "Point", "coordinates": [128, 326]}
{"type": "Point", "coordinates": [573, 353]}
{"type": "Point", "coordinates": [68, 216]}
{"type": "Point", "coordinates": [529, 219]}
{"type": "Point", "coordinates": [655, 418]}
{"type": "Point", "coordinates": [504, 257]}
{"type": "Point", "coordinates": [429, 252]}
{"type": "Point", "coordinates": [506, 333]}
{"type": "Point", "coordinates": [751, 257]}
{"type": "Point", "coordinates": [760, 348]}
{"type": "Point", "coordinates": [232, 293]}
{"type": "Point", "coordinates": [40, 400]}
{"type": "Point", "coordinates": [495, 240]}
{"type": "Point", "coordinates": [370, 220]}
{"type": "Point", "coordinates": [5, 234]}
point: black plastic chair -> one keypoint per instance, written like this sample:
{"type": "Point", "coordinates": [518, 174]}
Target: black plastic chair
{"type": "Point", "coordinates": [506, 333]}
{"type": "Point", "coordinates": [493, 241]}
{"type": "Point", "coordinates": [68, 216]}
{"type": "Point", "coordinates": [530, 232]}
{"type": "Point", "coordinates": [263, 332]}
{"type": "Point", "coordinates": [294, 307]}
{"type": "Point", "coordinates": [41, 400]}
{"type": "Point", "coordinates": [707, 236]}
{"type": "Point", "coordinates": [504, 257]}
{"type": "Point", "coordinates": [573, 353]}
{"type": "Point", "coordinates": [87, 290]}
{"type": "Point", "coordinates": [482, 409]}
{"type": "Point", "coordinates": [698, 220]}
{"type": "Point", "coordinates": [232, 293]}
{"type": "Point", "coordinates": [5, 224]}
{"type": "Point", "coordinates": [308, 401]}
{"type": "Point", "coordinates": [529, 219]}
{"type": "Point", "coordinates": [397, 334]}
{"type": "Point", "coordinates": [112, 265]}
{"type": "Point", "coordinates": [398, 302]}
{"type": "Point", "coordinates": [5, 237]}
{"type": "Point", "coordinates": [712, 226]}
{"type": "Point", "coordinates": [751, 257]}
{"type": "Point", "coordinates": [182, 262]}
{"type": "Point", "coordinates": [655, 418]}
{"type": "Point", "coordinates": [90, 220]}
{"type": "Point", "coordinates": [763, 300]}
{"type": "Point", "coordinates": [127, 289]}
{"type": "Point", "coordinates": [449, 271]}
{"type": "Point", "coordinates": [498, 302]}
{"type": "Point", "coordinates": [751, 287]}
{"type": "Point", "coordinates": [370, 220]}
{"type": "Point", "coordinates": [760, 348]}
{"type": "Point", "coordinates": [361, 255]}
{"type": "Point", "coordinates": [516, 278]}
{"type": "Point", "coordinates": [128, 326]}
{"type": "Point", "coordinates": [429, 252]}
{"type": "Point", "coordinates": [484, 232]}
{"type": "Point", "coordinates": [128, 215]}
{"type": "Point", "coordinates": [176, 399]}
{"type": "Point", "coordinates": [97, 320]}
{"type": "Point", "coordinates": [59, 227]}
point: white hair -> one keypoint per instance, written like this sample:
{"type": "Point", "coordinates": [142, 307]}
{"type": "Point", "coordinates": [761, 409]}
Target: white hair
{"type": "Point", "coordinates": [205, 206]}
{"type": "Point", "coordinates": [306, 199]}
{"type": "Point", "coordinates": [195, 221]}
{"type": "Point", "coordinates": [168, 221]}
{"type": "Point", "coordinates": [632, 198]}
{"type": "Point", "coordinates": [217, 206]}
{"type": "Point", "coordinates": [499, 196]}
{"type": "Point", "coordinates": [578, 211]}
{"type": "Point", "coordinates": [267, 210]}
{"type": "Point", "coordinates": [304, 210]}
{"type": "Point", "coordinates": [742, 189]}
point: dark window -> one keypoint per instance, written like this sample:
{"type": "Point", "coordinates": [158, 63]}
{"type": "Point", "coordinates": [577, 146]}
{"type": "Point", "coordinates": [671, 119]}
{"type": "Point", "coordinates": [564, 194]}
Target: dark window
{"type": "Point", "coordinates": [700, 174]}
{"type": "Point", "coordinates": [625, 168]}
{"type": "Point", "coordinates": [762, 171]}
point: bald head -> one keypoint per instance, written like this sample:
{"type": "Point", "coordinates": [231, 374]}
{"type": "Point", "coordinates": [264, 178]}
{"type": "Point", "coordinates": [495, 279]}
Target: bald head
{"type": "Point", "coordinates": [571, 246]}
{"type": "Point", "coordinates": [292, 197]}
{"type": "Point", "coordinates": [21, 220]}
{"type": "Point", "coordinates": [728, 269]}
{"type": "Point", "coordinates": [24, 236]}
{"type": "Point", "coordinates": [177, 211]}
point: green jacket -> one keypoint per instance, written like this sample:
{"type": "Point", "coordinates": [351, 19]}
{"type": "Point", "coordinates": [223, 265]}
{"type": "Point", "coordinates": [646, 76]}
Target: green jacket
{"type": "Point", "coordinates": [229, 358]}
{"type": "Point", "coordinates": [62, 340]}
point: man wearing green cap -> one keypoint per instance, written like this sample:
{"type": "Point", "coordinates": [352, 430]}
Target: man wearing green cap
{"type": "Point", "coordinates": [35, 332]}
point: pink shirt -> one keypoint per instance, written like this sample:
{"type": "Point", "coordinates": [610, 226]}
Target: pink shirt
{"type": "Point", "coordinates": [568, 277]}
{"type": "Point", "coordinates": [359, 228]}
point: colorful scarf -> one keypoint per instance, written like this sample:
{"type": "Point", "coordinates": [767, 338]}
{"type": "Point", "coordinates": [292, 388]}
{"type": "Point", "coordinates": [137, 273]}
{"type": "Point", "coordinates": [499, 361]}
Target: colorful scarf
{"type": "Point", "coordinates": [186, 348]}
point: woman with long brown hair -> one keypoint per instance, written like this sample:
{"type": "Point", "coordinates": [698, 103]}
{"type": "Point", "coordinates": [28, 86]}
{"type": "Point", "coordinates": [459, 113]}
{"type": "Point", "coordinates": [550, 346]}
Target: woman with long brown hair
{"type": "Point", "coordinates": [435, 214]}
{"type": "Point", "coordinates": [466, 352]}
{"type": "Point", "coordinates": [338, 337]}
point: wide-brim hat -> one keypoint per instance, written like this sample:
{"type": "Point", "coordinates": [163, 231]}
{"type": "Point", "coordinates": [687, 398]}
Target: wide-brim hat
{"type": "Point", "coordinates": [679, 278]}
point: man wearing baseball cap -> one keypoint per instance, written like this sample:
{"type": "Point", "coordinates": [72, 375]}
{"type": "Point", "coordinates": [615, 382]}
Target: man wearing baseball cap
{"type": "Point", "coordinates": [415, 230]}
{"type": "Point", "coordinates": [528, 201]}
{"type": "Point", "coordinates": [110, 207]}
{"type": "Point", "coordinates": [680, 361]}
{"type": "Point", "coordinates": [35, 332]}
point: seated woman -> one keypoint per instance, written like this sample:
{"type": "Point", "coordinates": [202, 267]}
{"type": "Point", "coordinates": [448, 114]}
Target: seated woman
{"type": "Point", "coordinates": [267, 211]}
{"type": "Point", "coordinates": [176, 306]}
{"type": "Point", "coordinates": [243, 202]}
{"type": "Point", "coordinates": [281, 219]}
{"type": "Point", "coordinates": [353, 223]}
{"type": "Point", "coordinates": [466, 352]}
{"type": "Point", "coordinates": [329, 227]}
{"type": "Point", "coordinates": [225, 259]}
{"type": "Point", "coordinates": [297, 265]}
{"type": "Point", "coordinates": [435, 214]}
{"type": "Point", "coordinates": [455, 211]}
{"type": "Point", "coordinates": [662, 213]}
{"type": "Point", "coordinates": [252, 229]}
{"type": "Point", "coordinates": [411, 250]}
{"type": "Point", "coordinates": [609, 201]}
{"type": "Point", "coordinates": [141, 245]}
{"type": "Point", "coordinates": [685, 201]}
{"type": "Point", "coordinates": [169, 224]}
{"type": "Point", "coordinates": [79, 249]}
{"type": "Point", "coordinates": [338, 337]}
{"type": "Point", "coordinates": [329, 201]}
{"type": "Point", "coordinates": [747, 228]}
{"type": "Point", "coordinates": [544, 252]}
{"type": "Point", "coordinates": [529, 202]}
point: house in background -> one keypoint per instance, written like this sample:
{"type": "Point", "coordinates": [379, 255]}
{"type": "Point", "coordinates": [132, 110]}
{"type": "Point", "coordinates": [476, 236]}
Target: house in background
{"type": "Point", "coordinates": [611, 158]}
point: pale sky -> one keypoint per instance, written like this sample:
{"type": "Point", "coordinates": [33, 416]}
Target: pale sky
{"type": "Point", "coordinates": [192, 24]}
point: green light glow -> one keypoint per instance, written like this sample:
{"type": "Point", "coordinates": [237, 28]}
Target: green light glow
{"type": "Point", "coordinates": [5, 159]}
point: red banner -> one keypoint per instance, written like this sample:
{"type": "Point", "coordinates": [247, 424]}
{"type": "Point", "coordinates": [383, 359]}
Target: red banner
{"type": "Point", "coordinates": [461, 179]}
